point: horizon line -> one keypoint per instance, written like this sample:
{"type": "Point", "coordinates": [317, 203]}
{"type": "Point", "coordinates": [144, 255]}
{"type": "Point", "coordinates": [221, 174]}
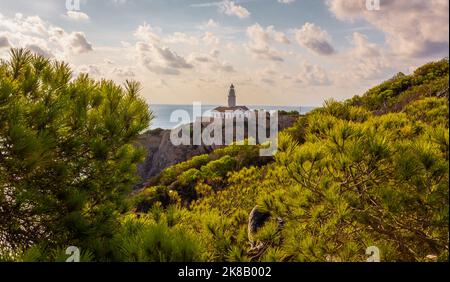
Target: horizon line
{"type": "Point", "coordinates": [251, 105]}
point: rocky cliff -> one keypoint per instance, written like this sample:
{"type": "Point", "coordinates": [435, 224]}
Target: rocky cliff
{"type": "Point", "coordinates": [161, 153]}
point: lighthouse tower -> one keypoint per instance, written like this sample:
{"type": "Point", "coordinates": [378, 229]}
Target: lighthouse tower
{"type": "Point", "coordinates": [232, 110]}
{"type": "Point", "coordinates": [232, 97]}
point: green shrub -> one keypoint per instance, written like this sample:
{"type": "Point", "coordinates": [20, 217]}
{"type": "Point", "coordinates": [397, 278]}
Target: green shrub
{"type": "Point", "coordinates": [67, 160]}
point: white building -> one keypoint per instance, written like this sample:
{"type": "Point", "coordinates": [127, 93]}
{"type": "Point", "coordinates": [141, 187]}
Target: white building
{"type": "Point", "coordinates": [232, 111]}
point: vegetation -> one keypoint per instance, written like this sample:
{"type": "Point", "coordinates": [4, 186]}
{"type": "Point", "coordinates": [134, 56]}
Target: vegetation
{"type": "Point", "coordinates": [393, 95]}
{"type": "Point", "coordinates": [370, 171]}
{"type": "Point", "coordinates": [66, 154]}
{"type": "Point", "coordinates": [288, 113]}
{"type": "Point", "coordinates": [347, 176]}
{"type": "Point", "coordinates": [181, 182]}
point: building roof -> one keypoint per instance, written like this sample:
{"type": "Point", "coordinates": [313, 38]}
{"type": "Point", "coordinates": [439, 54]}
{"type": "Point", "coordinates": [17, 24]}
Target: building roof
{"type": "Point", "coordinates": [223, 109]}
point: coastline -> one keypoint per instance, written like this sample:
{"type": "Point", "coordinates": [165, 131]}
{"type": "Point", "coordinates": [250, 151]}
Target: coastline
{"type": "Point", "coordinates": [162, 112]}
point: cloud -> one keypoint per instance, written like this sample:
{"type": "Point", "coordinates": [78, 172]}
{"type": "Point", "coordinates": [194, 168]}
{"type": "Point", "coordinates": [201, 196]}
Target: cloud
{"type": "Point", "coordinates": [147, 33]}
{"type": "Point", "coordinates": [43, 38]}
{"type": "Point", "coordinates": [267, 76]}
{"type": "Point", "coordinates": [78, 43]}
{"type": "Point", "coordinates": [203, 5]}
{"type": "Point", "coordinates": [21, 24]}
{"type": "Point", "coordinates": [77, 16]}
{"type": "Point", "coordinates": [123, 72]}
{"type": "Point", "coordinates": [279, 37]}
{"type": "Point", "coordinates": [180, 37]}
{"type": "Point", "coordinates": [172, 59]}
{"type": "Point", "coordinates": [230, 8]}
{"type": "Point", "coordinates": [364, 48]}
{"type": "Point", "coordinates": [215, 53]}
{"type": "Point", "coordinates": [92, 70]}
{"type": "Point", "coordinates": [413, 28]}
{"type": "Point", "coordinates": [210, 39]}
{"type": "Point", "coordinates": [286, 1]}
{"type": "Point", "coordinates": [40, 50]}
{"type": "Point", "coordinates": [260, 40]}
{"type": "Point", "coordinates": [315, 39]}
{"type": "Point", "coordinates": [109, 62]}
{"type": "Point", "coordinates": [159, 59]}
{"type": "Point", "coordinates": [210, 62]}
{"type": "Point", "coordinates": [365, 60]}
{"type": "Point", "coordinates": [4, 41]}
{"type": "Point", "coordinates": [209, 24]}
{"type": "Point", "coordinates": [313, 75]}
{"type": "Point", "coordinates": [155, 57]}
{"type": "Point", "coordinates": [264, 36]}
{"type": "Point", "coordinates": [265, 53]}
{"type": "Point", "coordinates": [119, 2]}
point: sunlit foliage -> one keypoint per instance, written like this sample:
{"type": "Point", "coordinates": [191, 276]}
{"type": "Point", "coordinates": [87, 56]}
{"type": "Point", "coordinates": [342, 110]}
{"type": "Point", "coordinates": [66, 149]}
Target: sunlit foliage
{"type": "Point", "coordinates": [370, 171]}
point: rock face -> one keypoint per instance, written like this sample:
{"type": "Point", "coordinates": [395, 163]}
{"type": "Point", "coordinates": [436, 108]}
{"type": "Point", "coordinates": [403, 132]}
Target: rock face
{"type": "Point", "coordinates": [161, 153]}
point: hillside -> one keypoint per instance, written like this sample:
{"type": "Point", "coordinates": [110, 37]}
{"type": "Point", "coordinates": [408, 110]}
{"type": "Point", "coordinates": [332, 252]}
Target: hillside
{"type": "Point", "coordinates": [372, 170]}
{"type": "Point", "coordinates": [161, 153]}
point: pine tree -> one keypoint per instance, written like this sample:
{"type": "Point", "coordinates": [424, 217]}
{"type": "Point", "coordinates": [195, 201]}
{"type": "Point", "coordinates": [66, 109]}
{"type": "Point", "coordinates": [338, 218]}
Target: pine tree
{"type": "Point", "coordinates": [66, 152]}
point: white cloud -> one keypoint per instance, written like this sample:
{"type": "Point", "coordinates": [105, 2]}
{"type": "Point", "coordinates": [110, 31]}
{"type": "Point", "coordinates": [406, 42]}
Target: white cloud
{"type": "Point", "coordinates": [42, 37]}
{"type": "Point", "coordinates": [366, 60]}
{"type": "Point", "coordinates": [77, 16]}
{"type": "Point", "coordinates": [315, 39]}
{"type": "Point", "coordinates": [268, 76]}
{"type": "Point", "coordinates": [413, 28]}
{"type": "Point", "coordinates": [260, 40]}
{"type": "Point", "coordinates": [286, 1]}
{"type": "Point", "coordinates": [363, 48]}
{"type": "Point", "coordinates": [21, 24]}
{"type": "Point", "coordinates": [210, 62]}
{"type": "Point", "coordinates": [209, 24]}
{"type": "Point", "coordinates": [123, 72]}
{"type": "Point", "coordinates": [215, 53]}
{"type": "Point", "coordinates": [278, 36]}
{"type": "Point", "coordinates": [265, 53]}
{"type": "Point", "coordinates": [260, 36]}
{"type": "Point", "coordinates": [180, 37]}
{"type": "Point", "coordinates": [210, 39]}
{"type": "Point", "coordinates": [147, 33]}
{"type": "Point", "coordinates": [40, 50]}
{"type": "Point", "coordinates": [78, 43]}
{"type": "Point", "coordinates": [232, 47]}
{"type": "Point", "coordinates": [230, 8]}
{"type": "Point", "coordinates": [312, 75]}
{"type": "Point", "coordinates": [155, 57]}
{"type": "Point", "coordinates": [92, 70]}
{"type": "Point", "coordinates": [172, 59]}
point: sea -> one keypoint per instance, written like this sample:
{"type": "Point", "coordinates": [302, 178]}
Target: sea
{"type": "Point", "coordinates": [162, 112]}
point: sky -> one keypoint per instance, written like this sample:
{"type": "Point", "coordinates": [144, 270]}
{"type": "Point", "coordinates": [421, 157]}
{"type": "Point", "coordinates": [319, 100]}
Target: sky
{"type": "Point", "coordinates": [276, 52]}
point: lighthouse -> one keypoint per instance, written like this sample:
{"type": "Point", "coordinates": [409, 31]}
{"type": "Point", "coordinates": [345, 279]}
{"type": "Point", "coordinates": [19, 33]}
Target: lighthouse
{"type": "Point", "coordinates": [231, 97]}
{"type": "Point", "coordinates": [232, 110]}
